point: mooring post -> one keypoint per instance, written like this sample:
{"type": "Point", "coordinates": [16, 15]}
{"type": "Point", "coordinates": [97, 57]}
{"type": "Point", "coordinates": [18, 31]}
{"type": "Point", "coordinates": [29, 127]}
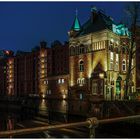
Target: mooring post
{"type": "Point", "coordinates": [93, 124]}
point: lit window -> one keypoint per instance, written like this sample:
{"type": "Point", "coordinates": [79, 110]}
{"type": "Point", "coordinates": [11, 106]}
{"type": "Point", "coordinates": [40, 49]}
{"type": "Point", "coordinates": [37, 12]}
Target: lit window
{"type": "Point", "coordinates": [59, 81]}
{"type": "Point", "coordinates": [81, 96]}
{"type": "Point", "coordinates": [62, 81]}
{"type": "Point", "coordinates": [78, 81]}
{"type": "Point", "coordinates": [81, 81]}
{"type": "Point", "coordinates": [95, 46]}
{"type": "Point", "coordinates": [111, 55]}
{"type": "Point", "coordinates": [117, 57]}
{"type": "Point", "coordinates": [124, 65]}
{"type": "Point", "coordinates": [46, 82]}
{"type": "Point", "coordinates": [117, 62]}
{"type": "Point", "coordinates": [81, 66]}
{"type": "Point", "coordinates": [111, 60]}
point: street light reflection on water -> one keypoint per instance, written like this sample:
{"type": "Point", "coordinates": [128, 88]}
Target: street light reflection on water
{"type": "Point", "coordinates": [43, 105]}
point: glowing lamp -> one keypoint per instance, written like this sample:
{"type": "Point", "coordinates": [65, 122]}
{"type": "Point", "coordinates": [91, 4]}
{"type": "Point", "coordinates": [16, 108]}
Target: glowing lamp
{"type": "Point", "coordinates": [43, 96]}
{"type": "Point", "coordinates": [101, 75]}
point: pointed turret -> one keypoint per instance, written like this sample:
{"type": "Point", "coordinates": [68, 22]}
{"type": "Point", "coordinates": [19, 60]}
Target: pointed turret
{"type": "Point", "coordinates": [76, 26]}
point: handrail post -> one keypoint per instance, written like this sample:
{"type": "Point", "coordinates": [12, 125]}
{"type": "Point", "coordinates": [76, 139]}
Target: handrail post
{"type": "Point", "coordinates": [93, 123]}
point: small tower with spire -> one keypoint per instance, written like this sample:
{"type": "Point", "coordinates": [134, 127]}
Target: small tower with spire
{"type": "Point", "coordinates": [76, 26]}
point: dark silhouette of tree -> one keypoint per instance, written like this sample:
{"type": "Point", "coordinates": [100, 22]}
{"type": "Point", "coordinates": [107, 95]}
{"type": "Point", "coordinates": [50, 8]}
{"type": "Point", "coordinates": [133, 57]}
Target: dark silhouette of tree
{"type": "Point", "coordinates": [133, 12]}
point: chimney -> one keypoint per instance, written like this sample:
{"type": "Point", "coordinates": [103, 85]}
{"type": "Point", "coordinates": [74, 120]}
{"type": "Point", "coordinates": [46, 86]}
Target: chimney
{"type": "Point", "coordinates": [93, 13]}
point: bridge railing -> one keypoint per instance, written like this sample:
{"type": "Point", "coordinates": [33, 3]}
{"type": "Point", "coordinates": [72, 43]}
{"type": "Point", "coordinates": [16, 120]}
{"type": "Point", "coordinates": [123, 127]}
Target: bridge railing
{"type": "Point", "coordinates": [91, 123]}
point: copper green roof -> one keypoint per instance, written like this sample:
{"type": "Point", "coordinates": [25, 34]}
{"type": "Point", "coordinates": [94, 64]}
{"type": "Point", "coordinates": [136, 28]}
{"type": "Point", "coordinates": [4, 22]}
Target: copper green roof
{"type": "Point", "coordinates": [76, 24]}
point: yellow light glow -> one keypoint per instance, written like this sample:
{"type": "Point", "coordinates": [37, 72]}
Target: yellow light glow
{"type": "Point", "coordinates": [112, 40]}
{"type": "Point", "coordinates": [42, 55]}
{"type": "Point", "coordinates": [64, 96]}
{"type": "Point", "coordinates": [42, 71]}
{"type": "Point", "coordinates": [101, 75]}
{"type": "Point", "coordinates": [42, 60]}
{"type": "Point", "coordinates": [43, 95]}
{"type": "Point", "coordinates": [71, 71]}
{"type": "Point", "coordinates": [42, 66]}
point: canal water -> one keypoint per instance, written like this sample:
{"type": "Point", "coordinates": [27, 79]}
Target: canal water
{"type": "Point", "coordinates": [26, 117]}
{"type": "Point", "coordinates": [56, 112]}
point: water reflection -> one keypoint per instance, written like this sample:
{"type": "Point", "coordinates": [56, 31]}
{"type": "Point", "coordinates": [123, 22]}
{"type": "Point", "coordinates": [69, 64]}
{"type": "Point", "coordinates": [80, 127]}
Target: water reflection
{"type": "Point", "coordinates": [42, 105]}
{"type": "Point", "coordinates": [57, 110]}
{"type": "Point", "coordinates": [10, 124]}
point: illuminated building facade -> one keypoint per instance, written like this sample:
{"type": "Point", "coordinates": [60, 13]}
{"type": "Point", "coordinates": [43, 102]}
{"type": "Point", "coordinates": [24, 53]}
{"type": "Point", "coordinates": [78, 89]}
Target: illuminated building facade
{"type": "Point", "coordinates": [43, 71]}
{"type": "Point", "coordinates": [99, 58]}
{"type": "Point", "coordinates": [10, 77]}
{"type": "Point", "coordinates": [6, 73]}
{"type": "Point", "coordinates": [44, 68]}
{"type": "Point", "coordinates": [31, 71]}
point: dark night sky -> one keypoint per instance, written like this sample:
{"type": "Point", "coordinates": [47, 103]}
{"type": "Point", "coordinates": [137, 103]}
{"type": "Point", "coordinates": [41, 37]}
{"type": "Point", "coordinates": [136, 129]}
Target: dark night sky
{"type": "Point", "coordinates": [24, 25]}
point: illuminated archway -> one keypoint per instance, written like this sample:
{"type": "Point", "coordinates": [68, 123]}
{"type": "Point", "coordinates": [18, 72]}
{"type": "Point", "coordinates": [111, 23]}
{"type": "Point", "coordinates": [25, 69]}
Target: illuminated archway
{"type": "Point", "coordinates": [118, 86]}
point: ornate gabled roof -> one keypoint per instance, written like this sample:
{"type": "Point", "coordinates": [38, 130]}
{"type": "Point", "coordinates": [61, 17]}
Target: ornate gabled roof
{"type": "Point", "coordinates": [100, 22]}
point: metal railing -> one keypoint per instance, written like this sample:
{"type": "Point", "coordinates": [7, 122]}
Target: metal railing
{"type": "Point", "coordinates": [91, 123]}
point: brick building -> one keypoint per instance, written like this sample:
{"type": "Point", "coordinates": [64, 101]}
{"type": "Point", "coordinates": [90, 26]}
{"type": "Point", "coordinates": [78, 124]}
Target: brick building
{"type": "Point", "coordinates": [6, 73]}
{"type": "Point", "coordinates": [31, 71]}
{"type": "Point", "coordinates": [60, 53]}
{"type": "Point", "coordinates": [58, 81]}
{"type": "Point", "coordinates": [38, 72]}
{"type": "Point", "coordinates": [99, 57]}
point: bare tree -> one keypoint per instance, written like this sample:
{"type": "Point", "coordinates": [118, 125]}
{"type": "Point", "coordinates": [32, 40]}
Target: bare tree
{"type": "Point", "coordinates": [133, 13]}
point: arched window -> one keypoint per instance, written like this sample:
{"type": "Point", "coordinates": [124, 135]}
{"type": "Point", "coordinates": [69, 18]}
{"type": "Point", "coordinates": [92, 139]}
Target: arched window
{"type": "Point", "coordinates": [111, 60]}
{"type": "Point", "coordinates": [81, 66]}
{"type": "Point", "coordinates": [118, 85]}
{"type": "Point", "coordinates": [81, 81]}
{"type": "Point", "coordinates": [82, 49]}
{"type": "Point", "coordinates": [117, 62]}
{"type": "Point", "coordinates": [124, 65]}
{"type": "Point", "coordinates": [78, 81]}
